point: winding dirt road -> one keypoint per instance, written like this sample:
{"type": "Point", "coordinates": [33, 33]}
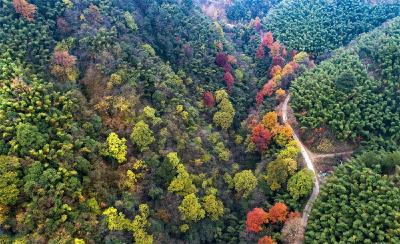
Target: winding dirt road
{"type": "Point", "coordinates": [309, 164]}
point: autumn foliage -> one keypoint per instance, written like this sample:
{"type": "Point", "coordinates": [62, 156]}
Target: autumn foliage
{"type": "Point", "coordinates": [229, 79]}
{"type": "Point", "coordinates": [255, 219]}
{"type": "Point", "coordinates": [64, 66]}
{"type": "Point", "coordinates": [278, 213]}
{"type": "Point", "coordinates": [24, 8]}
{"type": "Point", "coordinates": [257, 23]}
{"type": "Point", "coordinates": [63, 58]}
{"type": "Point", "coordinates": [266, 240]}
{"type": "Point", "coordinates": [221, 59]}
{"type": "Point", "coordinates": [208, 99]}
{"type": "Point", "coordinates": [267, 39]}
{"type": "Point", "coordinates": [260, 52]}
{"type": "Point", "coordinates": [267, 90]}
{"type": "Point", "coordinates": [261, 137]}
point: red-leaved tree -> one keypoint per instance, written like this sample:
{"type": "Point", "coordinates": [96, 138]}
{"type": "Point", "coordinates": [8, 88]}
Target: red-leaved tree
{"type": "Point", "coordinates": [261, 137]}
{"type": "Point", "coordinates": [255, 219]}
{"type": "Point", "coordinates": [25, 9]}
{"type": "Point", "coordinates": [275, 49]}
{"type": "Point", "coordinates": [267, 39]}
{"type": "Point", "coordinates": [260, 98]}
{"type": "Point", "coordinates": [229, 79]}
{"type": "Point", "coordinates": [278, 213]}
{"type": "Point", "coordinates": [278, 60]}
{"type": "Point", "coordinates": [260, 52]}
{"type": "Point", "coordinates": [268, 89]}
{"type": "Point", "coordinates": [284, 52]}
{"type": "Point", "coordinates": [257, 23]}
{"type": "Point", "coordinates": [208, 99]}
{"type": "Point", "coordinates": [221, 59]}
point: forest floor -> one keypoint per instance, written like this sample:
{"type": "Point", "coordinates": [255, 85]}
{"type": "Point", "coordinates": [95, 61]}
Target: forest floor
{"type": "Point", "coordinates": [310, 158]}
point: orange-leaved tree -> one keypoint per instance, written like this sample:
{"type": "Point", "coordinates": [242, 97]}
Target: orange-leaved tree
{"type": "Point", "coordinates": [25, 9]}
{"type": "Point", "coordinates": [278, 213]}
{"type": "Point", "coordinates": [255, 219]}
{"type": "Point", "coordinates": [266, 240]}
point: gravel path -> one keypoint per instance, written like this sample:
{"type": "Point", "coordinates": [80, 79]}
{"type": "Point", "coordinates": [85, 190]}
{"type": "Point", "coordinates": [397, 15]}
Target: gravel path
{"type": "Point", "coordinates": [309, 163]}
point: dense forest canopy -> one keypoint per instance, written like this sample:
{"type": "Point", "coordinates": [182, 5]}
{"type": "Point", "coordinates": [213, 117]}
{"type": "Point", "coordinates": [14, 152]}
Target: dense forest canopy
{"type": "Point", "coordinates": [359, 203]}
{"type": "Point", "coordinates": [170, 121]}
{"type": "Point", "coordinates": [355, 93]}
{"type": "Point", "coordinates": [320, 26]}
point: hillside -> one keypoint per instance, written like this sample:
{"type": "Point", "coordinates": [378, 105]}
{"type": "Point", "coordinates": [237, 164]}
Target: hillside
{"type": "Point", "coordinates": [354, 94]}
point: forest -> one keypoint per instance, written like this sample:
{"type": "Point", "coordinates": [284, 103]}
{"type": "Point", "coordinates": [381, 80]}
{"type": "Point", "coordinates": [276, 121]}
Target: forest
{"type": "Point", "coordinates": [199, 121]}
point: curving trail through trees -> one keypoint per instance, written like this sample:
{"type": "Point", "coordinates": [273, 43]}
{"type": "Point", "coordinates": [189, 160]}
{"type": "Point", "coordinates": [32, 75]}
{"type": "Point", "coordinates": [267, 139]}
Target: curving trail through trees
{"type": "Point", "coordinates": [308, 158]}
{"type": "Point", "coordinates": [309, 162]}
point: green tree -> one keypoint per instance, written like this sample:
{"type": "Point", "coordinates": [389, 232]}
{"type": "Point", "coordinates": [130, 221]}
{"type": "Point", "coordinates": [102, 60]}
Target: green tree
{"type": "Point", "coordinates": [142, 135]}
{"type": "Point", "coordinates": [213, 207]}
{"type": "Point", "coordinates": [130, 21]}
{"type": "Point", "coordinates": [9, 180]}
{"type": "Point", "coordinates": [29, 137]}
{"type": "Point", "coordinates": [190, 208]}
{"type": "Point", "coordinates": [118, 221]}
{"type": "Point", "coordinates": [301, 184]}
{"type": "Point", "coordinates": [245, 182]}
{"type": "Point", "coordinates": [278, 172]}
{"type": "Point", "coordinates": [116, 147]}
{"type": "Point", "coordinates": [225, 114]}
{"type": "Point", "coordinates": [182, 183]}
{"type": "Point", "coordinates": [291, 150]}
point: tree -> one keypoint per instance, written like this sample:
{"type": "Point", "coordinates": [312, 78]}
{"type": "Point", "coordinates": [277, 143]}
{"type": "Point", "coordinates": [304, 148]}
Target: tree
{"type": "Point", "coordinates": [208, 99]}
{"type": "Point", "coordinates": [142, 135]}
{"type": "Point", "coordinates": [278, 213]}
{"type": "Point", "coordinates": [293, 230]}
{"type": "Point", "coordinates": [245, 182]}
{"type": "Point", "coordinates": [301, 184]}
{"type": "Point", "coordinates": [24, 8]}
{"type": "Point", "coordinates": [284, 134]}
{"type": "Point", "coordinates": [261, 137]}
{"type": "Point", "coordinates": [190, 208]}
{"type": "Point", "coordinates": [64, 65]}
{"type": "Point", "coordinates": [267, 39]}
{"type": "Point", "coordinates": [115, 220]}
{"type": "Point", "coordinates": [266, 240]}
{"type": "Point", "coordinates": [182, 183]}
{"type": "Point", "coordinates": [221, 59]}
{"type": "Point", "coordinates": [150, 114]}
{"type": "Point", "coordinates": [346, 81]}
{"type": "Point", "coordinates": [130, 21]}
{"type": "Point", "coordinates": [278, 172]}
{"type": "Point", "coordinates": [118, 221]}
{"type": "Point", "coordinates": [291, 150]}
{"type": "Point", "coordinates": [256, 219]}
{"type": "Point", "coordinates": [9, 180]}
{"type": "Point", "coordinates": [29, 137]}
{"type": "Point", "coordinates": [116, 147]}
{"type": "Point", "coordinates": [275, 49]}
{"type": "Point", "coordinates": [213, 207]}
{"type": "Point", "coordinates": [270, 121]}
{"type": "Point", "coordinates": [229, 79]}
{"type": "Point", "coordinates": [260, 52]}
{"type": "Point", "coordinates": [224, 116]}
{"type": "Point", "coordinates": [275, 71]}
